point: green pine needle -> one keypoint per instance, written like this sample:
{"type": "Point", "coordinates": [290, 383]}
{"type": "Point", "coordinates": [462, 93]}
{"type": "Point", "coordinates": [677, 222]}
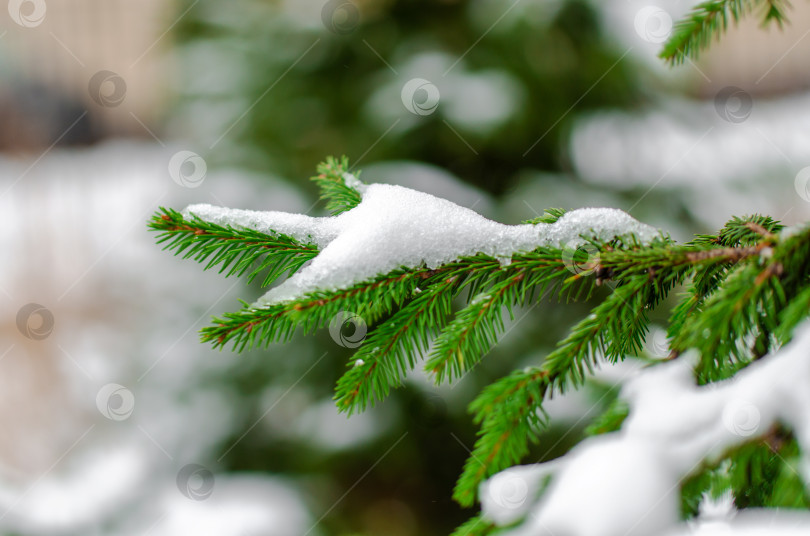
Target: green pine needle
{"type": "Point", "coordinates": [393, 349]}
{"type": "Point", "coordinates": [510, 410]}
{"type": "Point", "coordinates": [233, 250]}
{"type": "Point", "coordinates": [477, 526]}
{"type": "Point", "coordinates": [747, 289]}
{"type": "Point", "coordinates": [705, 22]}
{"type": "Point", "coordinates": [475, 329]}
{"type": "Point", "coordinates": [332, 179]}
{"type": "Point", "coordinates": [550, 215]}
{"type": "Point", "coordinates": [708, 20]}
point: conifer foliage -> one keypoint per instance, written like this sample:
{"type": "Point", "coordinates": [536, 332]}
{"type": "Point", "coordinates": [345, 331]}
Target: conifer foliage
{"type": "Point", "coordinates": [746, 289]}
{"type": "Point", "coordinates": [739, 294]}
{"type": "Point", "coordinates": [709, 19]}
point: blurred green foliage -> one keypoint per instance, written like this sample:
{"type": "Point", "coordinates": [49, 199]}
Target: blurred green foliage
{"type": "Point", "coordinates": [546, 62]}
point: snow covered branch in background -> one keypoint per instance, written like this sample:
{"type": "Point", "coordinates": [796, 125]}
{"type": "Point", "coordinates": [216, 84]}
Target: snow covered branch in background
{"type": "Point", "coordinates": [395, 227]}
{"type": "Point", "coordinates": [692, 152]}
{"type": "Point", "coordinates": [627, 483]}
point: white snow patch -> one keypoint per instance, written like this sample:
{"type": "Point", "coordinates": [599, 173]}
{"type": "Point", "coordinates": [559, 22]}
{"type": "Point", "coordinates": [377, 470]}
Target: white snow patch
{"type": "Point", "coordinates": [509, 495]}
{"type": "Point", "coordinates": [240, 505]}
{"type": "Point", "coordinates": [352, 181]}
{"type": "Point", "coordinates": [323, 426]}
{"type": "Point", "coordinates": [750, 522]}
{"type": "Point", "coordinates": [397, 227]}
{"type": "Point", "coordinates": [628, 481]}
{"type": "Point", "coordinates": [93, 487]}
{"type": "Point", "coordinates": [718, 510]}
{"type": "Point", "coordinates": [299, 226]}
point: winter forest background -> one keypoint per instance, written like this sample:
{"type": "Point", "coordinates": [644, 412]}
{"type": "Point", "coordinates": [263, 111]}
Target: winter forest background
{"type": "Point", "coordinates": [116, 420]}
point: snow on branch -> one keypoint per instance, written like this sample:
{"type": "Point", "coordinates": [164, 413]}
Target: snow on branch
{"type": "Point", "coordinates": [395, 227]}
{"type": "Point", "coordinates": [422, 278]}
{"type": "Point", "coordinates": [627, 483]}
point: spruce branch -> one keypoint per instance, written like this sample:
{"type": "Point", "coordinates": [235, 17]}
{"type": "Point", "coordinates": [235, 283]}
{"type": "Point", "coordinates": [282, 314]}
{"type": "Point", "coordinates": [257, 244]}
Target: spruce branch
{"type": "Point", "coordinates": [680, 428]}
{"type": "Point", "coordinates": [760, 473]}
{"type": "Point", "coordinates": [748, 230]}
{"type": "Point", "coordinates": [510, 410]}
{"type": "Point", "coordinates": [739, 231]}
{"type": "Point", "coordinates": [393, 348]}
{"type": "Point", "coordinates": [748, 288]}
{"type": "Point", "coordinates": [249, 327]}
{"type": "Point", "coordinates": [234, 250]}
{"type": "Point", "coordinates": [706, 21]}
{"type": "Point", "coordinates": [709, 19]}
{"type": "Point", "coordinates": [369, 299]}
{"type": "Point", "coordinates": [794, 312]}
{"type": "Point", "coordinates": [747, 305]}
{"type": "Point", "coordinates": [477, 526]}
{"type": "Point", "coordinates": [727, 318]}
{"type": "Point", "coordinates": [550, 215]}
{"type": "Point", "coordinates": [338, 186]}
{"type": "Point", "coordinates": [474, 330]}
{"type": "Point", "coordinates": [775, 12]}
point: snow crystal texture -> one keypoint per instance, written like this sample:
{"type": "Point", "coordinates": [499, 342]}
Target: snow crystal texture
{"type": "Point", "coordinates": [397, 227]}
{"type": "Point", "coordinates": [628, 481]}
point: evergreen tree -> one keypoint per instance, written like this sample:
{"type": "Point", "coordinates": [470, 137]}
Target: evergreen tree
{"type": "Point", "coordinates": [746, 295]}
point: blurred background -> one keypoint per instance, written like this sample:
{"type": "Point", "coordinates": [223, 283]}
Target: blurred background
{"type": "Point", "coordinates": [115, 420]}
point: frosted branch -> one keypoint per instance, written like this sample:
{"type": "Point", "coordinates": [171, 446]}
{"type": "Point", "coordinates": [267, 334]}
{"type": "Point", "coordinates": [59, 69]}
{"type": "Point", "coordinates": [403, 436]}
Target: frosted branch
{"type": "Point", "coordinates": [628, 483]}
{"type": "Point", "coordinates": [397, 227]}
